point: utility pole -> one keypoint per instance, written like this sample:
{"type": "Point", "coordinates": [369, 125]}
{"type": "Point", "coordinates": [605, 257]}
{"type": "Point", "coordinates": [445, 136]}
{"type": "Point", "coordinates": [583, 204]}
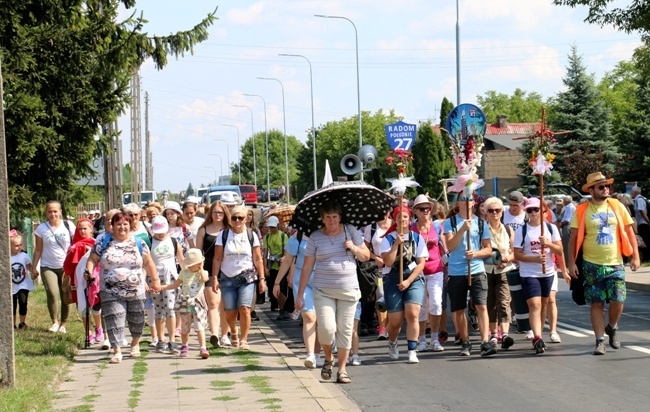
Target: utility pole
{"type": "Point", "coordinates": [7, 355]}
{"type": "Point", "coordinates": [148, 169]}
{"type": "Point", "coordinates": [136, 139]}
{"type": "Point", "coordinates": [113, 168]}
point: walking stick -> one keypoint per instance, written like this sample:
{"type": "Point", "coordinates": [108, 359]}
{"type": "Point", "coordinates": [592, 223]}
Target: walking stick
{"type": "Point", "coordinates": [542, 215]}
{"type": "Point", "coordinates": [87, 320]}
{"type": "Point", "coordinates": [401, 247]}
{"type": "Point", "coordinates": [469, 246]}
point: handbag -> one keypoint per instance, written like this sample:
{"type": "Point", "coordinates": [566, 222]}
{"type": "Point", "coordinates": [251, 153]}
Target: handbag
{"type": "Point", "coordinates": [245, 277]}
{"type": "Point", "coordinates": [67, 290]}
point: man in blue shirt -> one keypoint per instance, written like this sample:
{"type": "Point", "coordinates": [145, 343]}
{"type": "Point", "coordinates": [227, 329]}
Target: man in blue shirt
{"type": "Point", "coordinates": [455, 231]}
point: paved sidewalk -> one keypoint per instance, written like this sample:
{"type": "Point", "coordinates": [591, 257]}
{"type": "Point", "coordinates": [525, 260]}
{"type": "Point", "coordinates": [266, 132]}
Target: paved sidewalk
{"type": "Point", "coordinates": [269, 377]}
{"type": "Point", "coordinates": [639, 280]}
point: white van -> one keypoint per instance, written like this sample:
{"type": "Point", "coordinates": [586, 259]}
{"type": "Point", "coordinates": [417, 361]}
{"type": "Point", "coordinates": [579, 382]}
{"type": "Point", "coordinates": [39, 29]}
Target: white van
{"type": "Point", "coordinates": [145, 196]}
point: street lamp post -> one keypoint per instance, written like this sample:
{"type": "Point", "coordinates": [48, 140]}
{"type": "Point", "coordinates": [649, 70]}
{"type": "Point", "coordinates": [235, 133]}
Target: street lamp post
{"type": "Point", "coordinates": [227, 153]}
{"type": "Point", "coordinates": [253, 137]}
{"type": "Point", "coordinates": [356, 44]}
{"type": "Point", "coordinates": [220, 164]}
{"type": "Point", "coordinates": [313, 127]}
{"type": "Point", "coordinates": [457, 54]}
{"type": "Point", "coordinates": [286, 150]}
{"type": "Point", "coordinates": [266, 131]}
{"type": "Point", "coordinates": [238, 150]}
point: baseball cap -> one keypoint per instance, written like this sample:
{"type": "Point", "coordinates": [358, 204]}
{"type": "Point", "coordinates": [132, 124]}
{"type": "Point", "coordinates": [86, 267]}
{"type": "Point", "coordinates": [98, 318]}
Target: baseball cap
{"type": "Point", "coordinates": [516, 196]}
{"type": "Point", "coordinates": [159, 225]}
{"type": "Point", "coordinates": [273, 222]}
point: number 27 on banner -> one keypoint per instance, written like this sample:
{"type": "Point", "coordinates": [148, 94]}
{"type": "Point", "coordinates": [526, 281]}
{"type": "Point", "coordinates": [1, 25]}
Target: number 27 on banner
{"type": "Point", "coordinates": [400, 135]}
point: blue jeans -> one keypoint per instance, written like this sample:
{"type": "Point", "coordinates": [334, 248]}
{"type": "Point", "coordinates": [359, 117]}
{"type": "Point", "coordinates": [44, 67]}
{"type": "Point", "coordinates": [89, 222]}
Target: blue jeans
{"type": "Point", "coordinates": [235, 296]}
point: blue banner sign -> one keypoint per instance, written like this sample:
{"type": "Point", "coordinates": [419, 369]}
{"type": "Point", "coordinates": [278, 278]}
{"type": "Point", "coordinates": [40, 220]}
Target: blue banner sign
{"type": "Point", "coordinates": [400, 135]}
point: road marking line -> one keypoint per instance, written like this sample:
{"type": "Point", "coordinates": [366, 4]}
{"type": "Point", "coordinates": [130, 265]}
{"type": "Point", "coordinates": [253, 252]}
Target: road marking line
{"type": "Point", "coordinates": [567, 326]}
{"type": "Point", "coordinates": [568, 332]}
{"type": "Point", "coordinates": [639, 349]}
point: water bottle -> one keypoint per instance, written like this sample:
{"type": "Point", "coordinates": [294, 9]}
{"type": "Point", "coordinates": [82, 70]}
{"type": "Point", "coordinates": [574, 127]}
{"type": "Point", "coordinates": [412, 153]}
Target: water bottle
{"type": "Point", "coordinates": [295, 314]}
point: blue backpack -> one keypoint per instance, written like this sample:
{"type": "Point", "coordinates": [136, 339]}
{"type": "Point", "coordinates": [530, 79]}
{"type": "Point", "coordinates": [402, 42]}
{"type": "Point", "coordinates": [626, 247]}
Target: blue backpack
{"type": "Point", "coordinates": [107, 239]}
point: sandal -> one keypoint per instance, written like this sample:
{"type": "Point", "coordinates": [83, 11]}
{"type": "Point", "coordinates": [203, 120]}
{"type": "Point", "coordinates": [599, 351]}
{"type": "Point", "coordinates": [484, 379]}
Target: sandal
{"type": "Point", "coordinates": [117, 358]}
{"type": "Point", "coordinates": [135, 351]}
{"type": "Point", "coordinates": [343, 377]}
{"type": "Point", "coordinates": [244, 345]}
{"type": "Point", "coordinates": [326, 370]}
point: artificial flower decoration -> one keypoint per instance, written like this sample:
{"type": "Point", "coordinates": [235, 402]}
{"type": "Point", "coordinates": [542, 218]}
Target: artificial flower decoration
{"type": "Point", "coordinates": [467, 157]}
{"type": "Point", "coordinates": [400, 159]}
{"type": "Point", "coordinates": [541, 157]}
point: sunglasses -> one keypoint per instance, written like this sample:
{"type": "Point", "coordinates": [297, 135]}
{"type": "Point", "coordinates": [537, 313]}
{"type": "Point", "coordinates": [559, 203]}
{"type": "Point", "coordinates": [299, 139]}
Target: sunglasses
{"type": "Point", "coordinates": [603, 187]}
{"type": "Point", "coordinates": [464, 198]}
{"type": "Point", "coordinates": [237, 218]}
{"type": "Point", "coordinates": [423, 209]}
{"type": "Point", "coordinates": [494, 210]}
{"type": "Point", "coordinates": [532, 210]}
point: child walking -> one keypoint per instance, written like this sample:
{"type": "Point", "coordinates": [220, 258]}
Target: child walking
{"type": "Point", "coordinates": [190, 302]}
{"type": "Point", "coordinates": [21, 266]}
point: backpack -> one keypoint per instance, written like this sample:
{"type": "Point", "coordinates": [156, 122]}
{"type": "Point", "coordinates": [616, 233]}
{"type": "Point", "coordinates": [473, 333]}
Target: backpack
{"type": "Point", "coordinates": [107, 239]}
{"type": "Point", "coordinates": [524, 229]}
{"type": "Point", "coordinates": [225, 232]}
{"type": "Point", "coordinates": [481, 226]}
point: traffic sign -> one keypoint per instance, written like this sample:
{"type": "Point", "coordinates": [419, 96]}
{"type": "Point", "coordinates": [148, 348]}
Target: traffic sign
{"type": "Point", "coordinates": [400, 135]}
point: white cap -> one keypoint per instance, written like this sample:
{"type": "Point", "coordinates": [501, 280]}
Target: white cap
{"type": "Point", "coordinates": [273, 221]}
{"type": "Point", "coordinates": [227, 198]}
{"type": "Point", "coordinates": [159, 225]}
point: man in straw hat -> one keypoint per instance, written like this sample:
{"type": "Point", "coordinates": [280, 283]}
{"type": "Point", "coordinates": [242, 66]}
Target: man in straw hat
{"type": "Point", "coordinates": [602, 229]}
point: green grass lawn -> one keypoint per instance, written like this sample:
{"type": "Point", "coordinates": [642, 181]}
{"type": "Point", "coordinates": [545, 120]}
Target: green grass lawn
{"type": "Point", "coordinates": [42, 358]}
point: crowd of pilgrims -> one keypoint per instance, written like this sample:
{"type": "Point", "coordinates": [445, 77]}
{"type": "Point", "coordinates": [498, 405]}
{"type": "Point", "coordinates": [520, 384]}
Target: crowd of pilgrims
{"type": "Point", "coordinates": [205, 267]}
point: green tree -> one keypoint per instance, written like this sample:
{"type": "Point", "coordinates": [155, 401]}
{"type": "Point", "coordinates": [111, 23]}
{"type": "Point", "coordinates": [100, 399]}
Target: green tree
{"type": "Point", "coordinates": [580, 109]}
{"type": "Point", "coordinates": [190, 190]}
{"type": "Point", "coordinates": [520, 107]}
{"type": "Point", "coordinates": [432, 159]}
{"type": "Point", "coordinates": [67, 67]}
{"type": "Point", "coordinates": [633, 18]}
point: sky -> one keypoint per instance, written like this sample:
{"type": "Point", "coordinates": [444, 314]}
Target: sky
{"type": "Point", "coordinates": [407, 62]}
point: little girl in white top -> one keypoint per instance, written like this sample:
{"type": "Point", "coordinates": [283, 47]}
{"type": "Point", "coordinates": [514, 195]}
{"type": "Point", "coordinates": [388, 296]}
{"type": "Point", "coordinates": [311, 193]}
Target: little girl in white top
{"type": "Point", "coordinates": [21, 277]}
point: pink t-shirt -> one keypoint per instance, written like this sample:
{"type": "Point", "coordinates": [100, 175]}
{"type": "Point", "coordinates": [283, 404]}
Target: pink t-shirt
{"type": "Point", "coordinates": [433, 264]}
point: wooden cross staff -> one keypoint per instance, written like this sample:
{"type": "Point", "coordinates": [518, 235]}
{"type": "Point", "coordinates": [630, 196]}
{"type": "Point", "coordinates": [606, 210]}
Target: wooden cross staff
{"type": "Point", "coordinates": [542, 136]}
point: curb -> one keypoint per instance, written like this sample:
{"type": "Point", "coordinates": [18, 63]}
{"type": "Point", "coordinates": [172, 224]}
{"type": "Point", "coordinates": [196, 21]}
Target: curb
{"type": "Point", "coordinates": [640, 287]}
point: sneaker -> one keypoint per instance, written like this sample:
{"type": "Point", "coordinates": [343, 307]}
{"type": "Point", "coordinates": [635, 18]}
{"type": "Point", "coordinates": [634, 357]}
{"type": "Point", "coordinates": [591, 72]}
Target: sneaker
{"type": "Point", "coordinates": [172, 348]}
{"type": "Point", "coordinates": [383, 335]}
{"type": "Point", "coordinates": [154, 343]}
{"type": "Point", "coordinates": [436, 346]}
{"type": "Point", "coordinates": [473, 318]}
{"type": "Point", "coordinates": [62, 329]}
{"type": "Point", "coordinates": [214, 341]}
{"type": "Point", "coordinates": [507, 342]}
{"type": "Point", "coordinates": [494, 341]}
{"type": "Point", "coordinates": [539, 345]}
{"type": "Point", "coordinates": [363, 330]}
{"type": "Point", "coordinates": [177, 333]}
{"type": "Point", "coordinates": [310, 361]}
{"type": "Point", "coordinates": [91, 339]}
{"type": "Point", "coordinates": [185, 350]}
{"type": "Point", "coordinates": [254, 316]}
{"type": "Point", "coordinates": [99, 334]}
{"type": "Point", "coordinates": [225, 341]}
{"type": "Point", "coordinates": [54, 328]}
{"type": "Point", "coordinates": [466, 349]}
{"type": "Point", "coordinates": [160, 347]}
{"type": "Point", "coordinates": [204, 353]}
{"type": "Point", "coordinates": [413, 357]}
{"type": "Point", "coordinates": [106, 345]}
{"type": "Point", "coordinates": [614, 342]}
{"type": "Point", "coordinates": [320, 361]}
{"type": "Point", "coordinates": [356, 360]}
{"type": "Point", "coordinates": [422, 347]}
{"type": "Point", "coordinates": [443, 336]}
{"type": "Point", "coordinates": [125, 342]}
{"type": "Point", "coordinates": [555, 337]}
{"type": "Point", "coordinates": [487, 349]}
{"type": "Point", "coordinates": [600, 347]}
{"type": "Point", "coordinates": [457, 339]}
{"type": "Point", "coordinates": [393, 350]}
{"type": "Point", "coordinates": [22, 325]}
{"type": "Point", "coordinates": [530, 335]}
{"type": "Point", "coordinates": [283, 315]}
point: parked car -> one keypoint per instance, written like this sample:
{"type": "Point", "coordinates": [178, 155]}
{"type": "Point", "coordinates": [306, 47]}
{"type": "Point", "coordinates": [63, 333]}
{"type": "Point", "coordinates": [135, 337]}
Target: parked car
{"type": "Point", "coordinates": [274, 195]}
{"type": "Point", "coordinates": [250, 195]}
{"type": "Point", "coordinates": [214, 196]}
{"type": "Point", "coordinates": [261, 193]}
{"type": "Point", "coordinates": [555, 191]}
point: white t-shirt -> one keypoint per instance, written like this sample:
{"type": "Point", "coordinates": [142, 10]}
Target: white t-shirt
{"type": "Point", "coordinates": [376, 242]}
{"type": "Point", "coordinates": [533, 247]}
{"type": "Point", "coordinates": [421, 250]}
{"type": "Point", "coordinates": [20, 278]}
{"type": "Point", "coordinates": [237, 253]}
{"type": "Point", "coordinates": [515, 222]}
{"type": "Point", "coordinates": [196, 224]}
{"type": "Point", "coordinates": [56, 242]}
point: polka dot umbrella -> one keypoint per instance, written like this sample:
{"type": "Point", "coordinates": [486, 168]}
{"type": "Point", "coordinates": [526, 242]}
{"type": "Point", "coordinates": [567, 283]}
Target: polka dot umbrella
{"type": "Point", "coordinates": [361, 204]}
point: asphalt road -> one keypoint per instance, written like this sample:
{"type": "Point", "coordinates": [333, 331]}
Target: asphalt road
{"type": "Point", "coordinates": [566, 377]}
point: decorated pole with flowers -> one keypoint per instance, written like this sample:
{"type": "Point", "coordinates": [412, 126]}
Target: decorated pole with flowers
{"type": "Point", "coordinates": [399, 159]}
{"type": "Point", "coordinates": [466, 128]}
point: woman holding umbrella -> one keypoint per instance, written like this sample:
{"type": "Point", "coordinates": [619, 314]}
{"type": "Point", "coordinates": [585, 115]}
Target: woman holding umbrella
{"type": "Point", "coordinates": [404, 297]}
{"type": "Point", "coordinates": [332, 252]}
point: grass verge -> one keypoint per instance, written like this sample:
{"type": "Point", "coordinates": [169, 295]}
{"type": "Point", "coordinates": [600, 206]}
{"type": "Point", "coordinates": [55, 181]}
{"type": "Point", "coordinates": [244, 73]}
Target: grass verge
{"type": "Point", "coordinates": [42, 358]}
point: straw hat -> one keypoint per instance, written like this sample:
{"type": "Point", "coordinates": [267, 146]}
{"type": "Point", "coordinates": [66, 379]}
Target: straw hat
{"type": "Point", "coordinates": [594, 179]}
{"type": "Point", "coordinates": [192, 257]}
{"type": "Point", "coordinates": [422, 199]}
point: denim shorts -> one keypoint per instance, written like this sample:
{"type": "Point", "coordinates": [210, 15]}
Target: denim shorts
{"type": "Point", "coordinates": [395, 299]}
{"type": "Point", "coordinates": [308, 295]}
{"type": "Point", "coordinates": [234, 296]}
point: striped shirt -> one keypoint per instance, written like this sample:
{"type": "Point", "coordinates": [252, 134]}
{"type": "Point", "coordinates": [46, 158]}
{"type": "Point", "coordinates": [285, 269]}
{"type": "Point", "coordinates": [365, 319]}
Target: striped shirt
{"type": "Point", "coordinates": [335, 267]}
